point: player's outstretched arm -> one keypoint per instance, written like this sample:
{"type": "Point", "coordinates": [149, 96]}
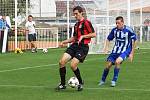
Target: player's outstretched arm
{"type": "Point", "coordinates": [133, 50]}
{"type": "Point", "coordinates": [67, 41]}
{"type": "Point", "coordinates": [106, 46]}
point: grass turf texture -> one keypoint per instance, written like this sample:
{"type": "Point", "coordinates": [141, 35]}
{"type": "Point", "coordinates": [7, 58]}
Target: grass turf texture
{"type": "Point", "coordinates": [33, 76]}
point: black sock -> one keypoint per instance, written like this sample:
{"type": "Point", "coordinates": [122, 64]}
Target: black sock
{"type": "Point", "coordinates": [62, 72]}
{"type": "Point", "coordinates": [77, 73]}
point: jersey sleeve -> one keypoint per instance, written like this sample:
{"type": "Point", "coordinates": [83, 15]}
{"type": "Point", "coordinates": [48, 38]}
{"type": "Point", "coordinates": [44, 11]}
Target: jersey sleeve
{"type": "Point", "coordinates": [111, 35]}
{"type": "Point", "coordinates": [26, 25]}
{"type": "Point", "coordinates": [132, 34]}
{"type": "Point", "coordinates": [89, 26]}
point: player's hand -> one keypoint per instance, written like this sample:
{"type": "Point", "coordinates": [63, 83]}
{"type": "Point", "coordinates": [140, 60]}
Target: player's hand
{"type": "Point", "coordinates": [105, 50]}
{"type": "Point", "coordinates": [61, 44]}
{"type": "Point", "coordinates": [131, 57]}
{"type": "Point", "coordinates": [80, 39]}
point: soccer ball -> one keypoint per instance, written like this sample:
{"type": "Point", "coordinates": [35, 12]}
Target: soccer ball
{"type": "Point", "coordinates": [73, 82]}
{"type": "Point", "coordinates": [45, 50]}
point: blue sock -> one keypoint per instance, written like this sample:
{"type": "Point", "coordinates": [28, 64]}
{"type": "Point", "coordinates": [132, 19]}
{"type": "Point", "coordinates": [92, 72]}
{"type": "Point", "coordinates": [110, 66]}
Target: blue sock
{"type": "Point", "coordinates": [116, 72]}
{"type": "Point", "coordinates": [105, 73]}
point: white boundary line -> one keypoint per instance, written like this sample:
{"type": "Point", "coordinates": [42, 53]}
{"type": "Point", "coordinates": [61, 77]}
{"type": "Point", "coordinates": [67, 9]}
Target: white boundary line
{"type": "Point", "coordinates": [51, 65]}
{"type": "Point", "coordinates": [141, 52]}
{"type": "Point", "coordinates": [26, 68]}
{"type": "Point", "coordinates": [119, 89]}
{"type": "Point", "coordinates": [10, 70]}
{"type": "Point", "coordinates": [86, 88]}
{"type": "Point", "coordinates": [23, 86]}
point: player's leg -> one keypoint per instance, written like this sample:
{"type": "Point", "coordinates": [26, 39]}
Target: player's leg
{"type": "Point", "coordinates": [105, 72]}
{"type": "Point", "coordinates": [75, 69]}
{"type": "Point", "coordinates": [30, 38]}
{"type": "Point", "coordinates": [33, 41]}
{"type": "Point", "coordinates": [30, 41]}
{"type": "Point", "coordinates": [33, 45]}
{"type": "Point", "coordinates": [110, 61]}
{"type": "Point", "coordinates": [80, 56]}
{"type": "Point", "coordinates": [118, 62]}
{"type": "Point", "coordinates": [62, 70]}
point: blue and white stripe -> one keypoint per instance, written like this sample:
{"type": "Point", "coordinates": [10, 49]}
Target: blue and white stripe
{"type": "Point", "coordinates": [123, 39]}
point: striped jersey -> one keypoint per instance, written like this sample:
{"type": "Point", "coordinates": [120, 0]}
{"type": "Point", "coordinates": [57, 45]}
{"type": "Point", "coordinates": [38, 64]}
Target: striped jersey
{"type": "Point", "coordinates": [83, 27]}
{"type": "Point", "coordinates": [123, 39]}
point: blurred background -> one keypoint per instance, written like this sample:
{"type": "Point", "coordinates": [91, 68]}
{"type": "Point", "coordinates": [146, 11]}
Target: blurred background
{"type": "Point", "coordinates": [54, 20]}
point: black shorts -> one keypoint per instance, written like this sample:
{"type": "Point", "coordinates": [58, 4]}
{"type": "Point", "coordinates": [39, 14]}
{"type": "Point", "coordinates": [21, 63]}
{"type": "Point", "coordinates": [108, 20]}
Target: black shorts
{"type": "Point", "coordinates": [78, 51]}
{"type": "Point", "coordinates": [32, 37]}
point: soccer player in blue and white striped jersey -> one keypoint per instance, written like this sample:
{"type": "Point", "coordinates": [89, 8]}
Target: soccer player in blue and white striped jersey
{"type": "Point", "coordinates": [125, 40]}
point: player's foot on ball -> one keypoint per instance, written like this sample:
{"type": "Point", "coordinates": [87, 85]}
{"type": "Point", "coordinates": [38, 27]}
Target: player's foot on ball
{"type": "Point", "coordinates": [80, 87]}
{"type": "Point", "coordinates": [60, 87]}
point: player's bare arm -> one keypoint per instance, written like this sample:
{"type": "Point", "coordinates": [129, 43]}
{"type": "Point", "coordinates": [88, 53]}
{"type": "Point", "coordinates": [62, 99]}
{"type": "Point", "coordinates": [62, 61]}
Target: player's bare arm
{"type": "Point", "coordinates": [133, 49]}
{"type": "Point", "coordinates": [106, 46]}
{"type": "Point", "coordinates": [67, 41]}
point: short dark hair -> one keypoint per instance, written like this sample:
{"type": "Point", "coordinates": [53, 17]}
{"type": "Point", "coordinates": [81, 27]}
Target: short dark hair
{"type": "Point", "coordinates": [78, 8]}
{"type": "Point", "coordinates": [120, 18]}
{"type": "Point", "coordinates": [30, 16]}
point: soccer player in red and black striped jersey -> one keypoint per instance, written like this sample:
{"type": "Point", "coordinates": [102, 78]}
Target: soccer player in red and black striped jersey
{"type": "Point", "coordinates": [78, 50]}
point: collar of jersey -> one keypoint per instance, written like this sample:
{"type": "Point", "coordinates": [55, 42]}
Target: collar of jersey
{"type": "Point", "coordinates": [81, 20]}
{"type": "Point", "coordinates": [122, 28]}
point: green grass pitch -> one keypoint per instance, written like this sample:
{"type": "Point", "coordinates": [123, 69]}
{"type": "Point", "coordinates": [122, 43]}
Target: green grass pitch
{"type": "Point", "coordinates": [33, 76]}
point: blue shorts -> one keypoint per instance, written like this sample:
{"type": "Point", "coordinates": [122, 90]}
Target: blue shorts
{"type": "Point", "coordinates": [113, 56]}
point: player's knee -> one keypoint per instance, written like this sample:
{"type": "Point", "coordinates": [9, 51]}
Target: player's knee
{"type": "Point", "coordinates": [73, 65]}
{"type": "Point", "coordinates": [109, 65]}
{"type": "Point", "coordinates": [118, 62]}
{"type": "Point", "coordinates": [73, 68]}
{"type": "Point", "coordinates": [61, 63]}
